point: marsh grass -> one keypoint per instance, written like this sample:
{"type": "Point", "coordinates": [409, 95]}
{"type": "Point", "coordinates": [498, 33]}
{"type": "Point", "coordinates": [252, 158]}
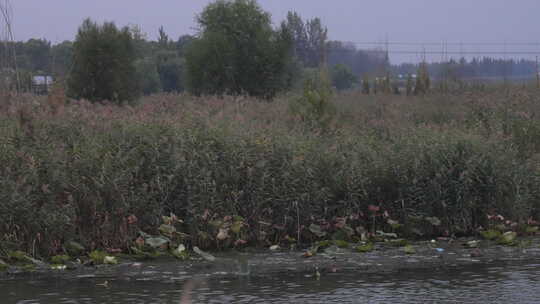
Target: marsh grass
{"type": "Point", "coordinates": [78, 171]}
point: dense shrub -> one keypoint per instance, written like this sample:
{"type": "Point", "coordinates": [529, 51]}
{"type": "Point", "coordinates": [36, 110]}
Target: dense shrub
{"type": "Point", "coordinates": [342, 77]}
{"type": "Point", "coordinates": [104, 64]}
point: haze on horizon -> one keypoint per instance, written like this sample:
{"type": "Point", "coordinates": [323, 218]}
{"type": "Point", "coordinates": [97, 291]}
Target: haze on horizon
{"type": "Point", "coordinates": [501, 23]}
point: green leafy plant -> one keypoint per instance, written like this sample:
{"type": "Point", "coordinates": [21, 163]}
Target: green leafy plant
{"type": "Point", "coordinates": [60, 259]}
{"type": "Point", "coordinates": [508, 239]}
{"type": "Point", "coordinates": [97, 257]}
{"type": "Point", "coordinates": [341, 243]}
{"type": "Point", "coordinates": [491, 234]}
{"type": "Point", "coordinates": [409, 249]}
{"type": "Point", "coordinates": [365, 248]}
{"type": "Point", "coordinates": [314, 107]}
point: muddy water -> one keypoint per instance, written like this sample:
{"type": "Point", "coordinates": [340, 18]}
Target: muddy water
{"type": "Point", "coordinates": [508, 283]}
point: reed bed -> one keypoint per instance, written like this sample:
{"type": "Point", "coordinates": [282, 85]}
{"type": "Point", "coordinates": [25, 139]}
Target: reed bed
{"type": "Point", "coordinates": [98, 174]}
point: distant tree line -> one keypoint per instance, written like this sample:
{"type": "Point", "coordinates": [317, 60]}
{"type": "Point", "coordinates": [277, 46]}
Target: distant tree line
{"type": "Point", "coordinates": [485, 67]}
{"type": "Point", "coordinates": [359, 61]}
{"type": "Point", "coordinates": [158, 65]}
{"type": "Point", "coordinates": [236, 50]}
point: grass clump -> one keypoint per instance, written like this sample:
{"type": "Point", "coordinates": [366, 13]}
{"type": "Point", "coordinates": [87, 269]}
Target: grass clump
{"type": "Point", "coordinates": [409, 249]}
{"type": "Point", "coordinates": [399, 243]}
{"type": "Point", "coordinates": [97, 257]}
{"type": "Point", "coordinates": [341, 243]}
{"type": "Point", "coordinates": [532, 229]}
{"type": "Point", "coordinates": [3, 266]}
{"type": "Point", "coordinates": [60, 259]}
{"type": "Point", "coordinates": [491, 234]}
{"type": "Point", "coordinates": [17, 256]}
{"type": "Point", "coordinates": [508, 239]}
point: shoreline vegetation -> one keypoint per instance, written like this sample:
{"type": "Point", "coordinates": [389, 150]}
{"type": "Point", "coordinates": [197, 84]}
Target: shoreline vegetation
{"type": "Point", "coordinates": [178, 174]}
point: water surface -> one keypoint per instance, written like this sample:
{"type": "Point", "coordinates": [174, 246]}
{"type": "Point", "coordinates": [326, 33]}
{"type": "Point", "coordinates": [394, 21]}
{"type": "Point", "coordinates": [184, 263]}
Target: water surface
{"type": "Point", "coordinates": [473, 284]}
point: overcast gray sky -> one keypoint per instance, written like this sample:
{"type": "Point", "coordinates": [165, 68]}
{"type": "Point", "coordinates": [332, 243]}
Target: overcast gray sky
{"type": "Point", "coordinates": [486, 21]}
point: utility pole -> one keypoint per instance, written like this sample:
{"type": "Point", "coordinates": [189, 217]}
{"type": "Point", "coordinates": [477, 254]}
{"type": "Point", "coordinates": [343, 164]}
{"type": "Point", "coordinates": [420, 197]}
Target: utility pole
{"type": "Point", "coordinates": [442, 72]}
{"type": "Point", "coordinates": [505, 64]}
{"type": "Point", "coordinates": [387, 58]}
{"type": "Point", "coordinates": [446, 65]}
{"type": "Point", "coordinates": [537, 74]}
{"type": "Point", "coordinates": [387, 85]}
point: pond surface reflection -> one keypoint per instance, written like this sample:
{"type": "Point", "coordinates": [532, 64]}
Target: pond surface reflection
{"type": "Point", "coordinates": [475, 284]}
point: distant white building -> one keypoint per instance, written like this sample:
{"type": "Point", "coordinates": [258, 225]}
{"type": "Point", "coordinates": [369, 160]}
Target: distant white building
{"type": "Point", "coordinates": [42, 80]}
{"type": "Point", "coordinates": [41, 84]}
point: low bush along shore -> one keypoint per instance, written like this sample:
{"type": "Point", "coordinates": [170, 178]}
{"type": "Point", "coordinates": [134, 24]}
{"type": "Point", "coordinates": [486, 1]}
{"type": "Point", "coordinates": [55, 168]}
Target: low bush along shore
{"type": "Point", "coordinates": [217, 173]}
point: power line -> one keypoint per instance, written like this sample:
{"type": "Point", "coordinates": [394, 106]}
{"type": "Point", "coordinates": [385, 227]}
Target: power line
{"type": "Point", "coordinates": [447, 43]}
{"type": "Point", "coordinates": [466, 53]}
{"type": "Point", "coordinates": [444, 52]}
{"type": "Point", "coordinates": [537, 74]}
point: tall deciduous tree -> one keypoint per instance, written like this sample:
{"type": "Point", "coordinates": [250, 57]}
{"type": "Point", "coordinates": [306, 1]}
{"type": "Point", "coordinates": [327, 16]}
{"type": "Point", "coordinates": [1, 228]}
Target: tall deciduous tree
{"type": "Point", "coordinates": [62, 55]}
{"type": "Point", "coordinates": [163, 38]}
{"type": "Point", "coordinates": [297, 29]}
{"type": "Point", "coordinates": [38, 52]}
{"type": "Point", "coordinates": [317, 36]}
{"type": "Point", "coordinates": [148, 76]}
{"type": "Point", "coordinates": [237, 51]}
{"type": "Point", "coordinates": [182, 44]}
{"type": "Point", "coordinates": [309, 39]}
{"type": "Point", "coordinates": [104, 64]}
{"type": "Point", "coordinates": [170, 68]}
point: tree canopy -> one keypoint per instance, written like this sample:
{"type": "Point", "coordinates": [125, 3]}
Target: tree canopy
{"type": "Point", "coordinates": [342, 77]}
{"type": "Point", "coordinates": [103, 64]}
{"type": "Point", "coordinates": [309, 39]}
{"type": "Point", "coordinates": [237, 51]}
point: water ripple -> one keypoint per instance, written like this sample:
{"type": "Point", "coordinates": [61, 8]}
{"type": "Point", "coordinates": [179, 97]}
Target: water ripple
{"type": "Point", "coordinates": [476, 284]}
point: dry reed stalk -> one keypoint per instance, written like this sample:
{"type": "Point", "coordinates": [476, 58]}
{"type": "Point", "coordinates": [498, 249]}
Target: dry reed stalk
{"type": "Point", "coordinates": [25, 117]}
{"type": "Point", "coordinates": [5, 102]}
{"type": "Point", "coordinates": [56, 99]}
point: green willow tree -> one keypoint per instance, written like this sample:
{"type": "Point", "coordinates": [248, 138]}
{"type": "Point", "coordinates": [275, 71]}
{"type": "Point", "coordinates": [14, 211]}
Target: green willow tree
{"type": "Point", "coordinates": [104, 64]}
{"type": "Point", "coordinates": [237, 51]}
